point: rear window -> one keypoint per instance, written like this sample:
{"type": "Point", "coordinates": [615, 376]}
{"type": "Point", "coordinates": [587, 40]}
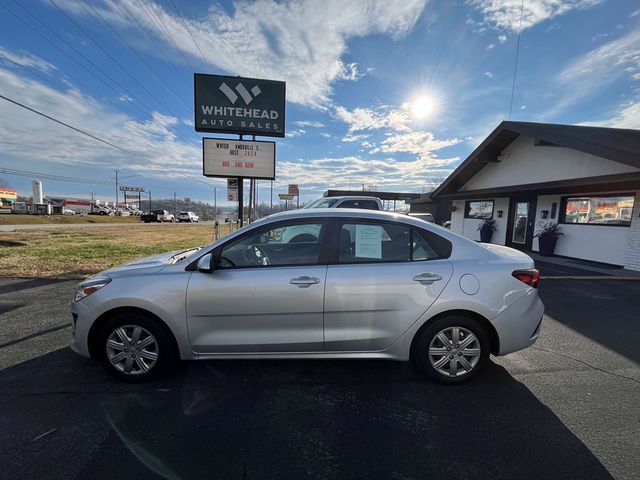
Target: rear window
{"type": "Point", "coordinates": [364, 204]}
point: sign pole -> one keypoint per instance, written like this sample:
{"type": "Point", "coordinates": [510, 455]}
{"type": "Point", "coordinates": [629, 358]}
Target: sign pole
{"type": "Point", "coordinates": [271, 202]}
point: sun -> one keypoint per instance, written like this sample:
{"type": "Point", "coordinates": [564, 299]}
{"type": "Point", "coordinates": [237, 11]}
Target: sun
{"type": "Point", "coordinates": [422, 107]}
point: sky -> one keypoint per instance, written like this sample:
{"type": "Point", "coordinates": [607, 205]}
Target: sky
{"type": "Point", "coordinates": [389, 94]}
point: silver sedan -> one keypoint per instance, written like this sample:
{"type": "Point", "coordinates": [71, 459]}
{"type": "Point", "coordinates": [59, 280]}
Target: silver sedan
{"type": "Point", "coordinates": [314, 284]}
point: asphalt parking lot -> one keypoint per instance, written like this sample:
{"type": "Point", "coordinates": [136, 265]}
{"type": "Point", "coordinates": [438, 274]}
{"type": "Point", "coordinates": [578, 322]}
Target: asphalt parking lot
{"type": "Point", "coordinates": [566, 408]}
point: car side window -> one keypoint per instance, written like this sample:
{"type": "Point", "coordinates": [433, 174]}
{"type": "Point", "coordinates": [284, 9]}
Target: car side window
{"type": "Point", "coordinates": [289, 244]}
{"type": "Point", "coordinates": [366, 242]}
{"type": "Point", "coordinates": [421, 249]}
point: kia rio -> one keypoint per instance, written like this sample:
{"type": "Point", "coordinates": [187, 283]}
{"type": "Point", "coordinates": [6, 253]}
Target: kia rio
{"type": "Point", "coordinates": [330, 283]}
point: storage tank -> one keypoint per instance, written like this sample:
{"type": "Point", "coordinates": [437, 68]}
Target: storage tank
{"type": "Point", "coordinates": [37, 192]}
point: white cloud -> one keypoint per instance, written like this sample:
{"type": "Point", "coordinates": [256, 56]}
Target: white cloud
{"type": "Point", "coordinates": [325, 135]}
{"type": "Point", "coordinates": [361, 119]}
{"type": "Point", "coordinates": [155, 149]}
{"type": "Point", "coordinates": [488, 74]}
{"type": "Point", "coordinates": [635, 13]}
{"type": "Point", "coordinates": [323, 173]}
{"type": "Point", "coordinates": [505, 14]}
{"type": "Point", "coordinates": [627, 117]}
{"type": "Point", "coordinates": [351, 73]}
{"type": "Point", "coordinates": [421, 144]}
{"type": "Point", "coordinates": [350, 137]}
{"type": "Point", "coordinates": [309, 123]}
{"type": "Point", "coordinates": [502, 38]}
{"type": "Point", "coordinates": [26, 60]}
{"type": "Point", "coordinates": [301, 42]}
{"type": "Point", "coordinates": [491, 46]}
{"type": "Point", "coordinates": [296, 133]}
{"type": "Point", "coordinates": [602, 65]}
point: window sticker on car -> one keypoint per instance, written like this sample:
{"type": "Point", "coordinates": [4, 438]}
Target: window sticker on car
{"type": "Point", "coordinates": [369, 241]}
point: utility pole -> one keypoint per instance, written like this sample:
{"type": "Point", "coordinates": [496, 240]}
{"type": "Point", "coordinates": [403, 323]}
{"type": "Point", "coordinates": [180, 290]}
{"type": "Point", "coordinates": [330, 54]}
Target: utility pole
{"type": "Point", "coordinates": [116, 205]}
{"type": "Point", "coordinates": [215, 205]}
{"type": "Point", "coordinates": [174, 204]}
{"type": "Point", "coordinates": [149, 201]}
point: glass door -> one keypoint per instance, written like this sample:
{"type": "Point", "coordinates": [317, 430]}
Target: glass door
{"type": "Point", "coordinates": [520, 223]}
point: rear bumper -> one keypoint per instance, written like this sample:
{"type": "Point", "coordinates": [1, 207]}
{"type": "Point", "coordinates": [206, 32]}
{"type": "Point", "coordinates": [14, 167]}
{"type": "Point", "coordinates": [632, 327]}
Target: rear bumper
{"type": "Point", "coordinates": [519, 325]}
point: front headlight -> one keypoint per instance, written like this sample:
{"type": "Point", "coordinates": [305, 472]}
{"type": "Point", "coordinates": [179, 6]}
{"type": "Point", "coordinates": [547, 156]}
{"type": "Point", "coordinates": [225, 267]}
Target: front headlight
{"type": "Point", "coordinates": [86, 288]}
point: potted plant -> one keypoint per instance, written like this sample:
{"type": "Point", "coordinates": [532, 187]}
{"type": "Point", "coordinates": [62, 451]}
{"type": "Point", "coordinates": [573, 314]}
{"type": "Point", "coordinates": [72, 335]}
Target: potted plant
{"type": "Point", "coordinates": [547, 237]}
{"type": "Point", "coordinates": [486, 229]}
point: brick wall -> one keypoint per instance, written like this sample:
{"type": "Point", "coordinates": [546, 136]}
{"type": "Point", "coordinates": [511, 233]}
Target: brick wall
{"type": "Point", "coordinates": [632, 255]}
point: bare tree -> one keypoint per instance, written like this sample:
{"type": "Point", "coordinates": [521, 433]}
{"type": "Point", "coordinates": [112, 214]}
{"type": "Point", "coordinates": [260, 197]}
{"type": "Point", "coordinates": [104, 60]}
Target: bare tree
{"type": "Point", "coordinates": [3, 183]}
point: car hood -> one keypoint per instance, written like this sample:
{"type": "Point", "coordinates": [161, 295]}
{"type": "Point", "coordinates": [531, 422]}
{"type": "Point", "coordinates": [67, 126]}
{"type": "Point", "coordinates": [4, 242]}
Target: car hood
{"type": "Point", "coordinates": [142, 266]}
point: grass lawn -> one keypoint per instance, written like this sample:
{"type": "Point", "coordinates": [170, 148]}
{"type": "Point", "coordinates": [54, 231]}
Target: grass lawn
{"type": "Point", "coordinates": [83, 251]}
{"type": "Point", "coordinates": [15, 219]}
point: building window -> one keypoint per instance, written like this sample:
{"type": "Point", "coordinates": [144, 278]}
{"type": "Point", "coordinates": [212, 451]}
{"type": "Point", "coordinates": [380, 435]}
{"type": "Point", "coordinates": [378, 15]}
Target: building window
{"type": "Point", "coordinates": [598, 210]}
{"type": "Point", "coordinates": [478, 209]}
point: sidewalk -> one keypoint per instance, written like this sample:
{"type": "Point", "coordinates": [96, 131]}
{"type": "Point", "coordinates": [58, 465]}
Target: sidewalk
{"type": "Point", "coordinates": [573, 267]}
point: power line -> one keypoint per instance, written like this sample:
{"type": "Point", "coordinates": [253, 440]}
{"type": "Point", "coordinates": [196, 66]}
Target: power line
{"type": "Point", "coordinates": [128, 45]}
{"type": "Point", "coordinates": [191, 35]}
{"type": "Point", "coordinates": [106, 52]}
{"type": "Point", "coordinates": [158, 21]}
{"type": "Point", "coordinates": [120, 5]}
{"type": "Point", "coordinates": [48, 176]}
{"type": "Point", "coordinates": [123, 90]}
{"type": "Point", "coordinates": [515, 68]}
{"type": "Point", "coordinates": [106, 142]}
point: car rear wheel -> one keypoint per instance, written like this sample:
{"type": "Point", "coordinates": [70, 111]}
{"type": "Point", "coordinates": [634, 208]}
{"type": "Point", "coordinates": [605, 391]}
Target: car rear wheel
{"type": "Point", "coordinates": [135, 348]}
{"type": "Point", "coordinates": [452, 349]}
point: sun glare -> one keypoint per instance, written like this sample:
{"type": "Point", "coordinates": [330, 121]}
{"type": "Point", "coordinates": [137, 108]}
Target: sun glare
{"type": "Point", "coordinates": [422, 107]}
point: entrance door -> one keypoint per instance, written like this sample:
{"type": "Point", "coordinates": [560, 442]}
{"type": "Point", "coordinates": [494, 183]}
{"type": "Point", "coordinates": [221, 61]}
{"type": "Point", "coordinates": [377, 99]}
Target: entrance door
{"type": "Point", "coordinates": [522, 214]}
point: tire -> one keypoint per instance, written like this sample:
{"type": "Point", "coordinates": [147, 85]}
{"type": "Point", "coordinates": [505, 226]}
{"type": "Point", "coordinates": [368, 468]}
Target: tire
{"type": "Point", "coordinates": [161, 344]}
{"type": "Point", "coordinates": [101, 213]}
{"type": "Point", "coordinates": [440, 368]}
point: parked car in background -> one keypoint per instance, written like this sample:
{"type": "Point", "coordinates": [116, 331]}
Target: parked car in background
{"type": "Point", "coordinates": [368, 285]}
{"type": "Point", "coordinates": [68, 211]}
{"type": "Point", "coordinates": [123, 212]}
{"type": "Point", "coordinates": [427, 217]}
{"type": "Point", "coordinates": [101, 210]}
{"type": "Point", "coordinates": [188, 217]}
{"type": "Point", "coordinates": [367, 203]}
{"type": "Point", "coordinates": [159, 216]}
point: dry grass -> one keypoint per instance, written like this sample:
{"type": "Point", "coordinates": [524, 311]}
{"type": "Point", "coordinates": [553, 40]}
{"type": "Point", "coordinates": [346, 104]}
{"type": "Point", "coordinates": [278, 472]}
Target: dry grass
{"type": "Point", "coordinates": [77, 252]}
{"type": "Point", "coordinates": [15, 219]}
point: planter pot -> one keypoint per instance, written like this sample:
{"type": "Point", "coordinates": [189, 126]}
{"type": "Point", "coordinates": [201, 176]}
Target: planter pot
{"type": "Point", "coordinates": [485, 236]}
{"type": "Point", "coordinates": [547, 245]}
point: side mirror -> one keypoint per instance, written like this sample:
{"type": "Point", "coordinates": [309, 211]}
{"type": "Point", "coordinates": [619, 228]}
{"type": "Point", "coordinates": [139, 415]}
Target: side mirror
{"type": "Point", "coordinates": [204, 263]}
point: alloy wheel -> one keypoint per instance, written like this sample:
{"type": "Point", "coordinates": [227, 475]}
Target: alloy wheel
{"type": "Point", "coordinates": [132, 350]}
{"type": "Point", "coordinates": [454, 351]}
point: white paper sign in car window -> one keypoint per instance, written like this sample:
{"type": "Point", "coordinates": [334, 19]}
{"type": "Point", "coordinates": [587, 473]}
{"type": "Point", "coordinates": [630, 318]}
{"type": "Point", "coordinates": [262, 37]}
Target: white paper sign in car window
{"type": "Point", "coordinates": [369, 241]}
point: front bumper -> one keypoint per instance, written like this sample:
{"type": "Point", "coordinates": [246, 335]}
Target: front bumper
{"type": "Point", "coordinates": [80, 324]}
{"type": "Point", "coordinates": [519, 325]}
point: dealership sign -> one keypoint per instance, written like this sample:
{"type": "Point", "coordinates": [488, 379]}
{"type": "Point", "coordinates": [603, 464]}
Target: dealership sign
{"type": "Point", "coordinates": [222, 157]}
{"type": "Point", "coordinates": [124, 188]}
{"type": "Point", "coordinates": [240, 105]}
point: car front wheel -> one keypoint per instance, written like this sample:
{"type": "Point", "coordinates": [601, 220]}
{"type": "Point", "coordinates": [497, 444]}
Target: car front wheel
{"type": "Point", "coordinates": [452, 349]}
{"type": "Point", "coordinates": [135, 348]}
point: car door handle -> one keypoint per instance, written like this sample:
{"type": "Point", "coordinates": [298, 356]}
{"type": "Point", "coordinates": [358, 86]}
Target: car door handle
{"type": "Point", "coordinates": [427, 278]}
{"type": "Point", "coordinates": [304, 281]}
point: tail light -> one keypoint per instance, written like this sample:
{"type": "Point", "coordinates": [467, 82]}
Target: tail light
{"type": "Point", "coordinates": [530, 276]}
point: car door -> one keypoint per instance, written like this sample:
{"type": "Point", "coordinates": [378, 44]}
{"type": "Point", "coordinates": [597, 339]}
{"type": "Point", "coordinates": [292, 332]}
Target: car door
{"type": "Point", "coordinates": [382, 277]}
{"type": "Point", "coordinates": [265, 293]}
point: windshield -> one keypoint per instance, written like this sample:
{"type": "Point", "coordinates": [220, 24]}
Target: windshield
{"type": "Point", "coordinates": [322, 203]}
